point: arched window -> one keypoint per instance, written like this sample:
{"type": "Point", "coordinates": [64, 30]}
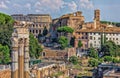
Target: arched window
{"type": "Point", "coordinates": [43, 53]}
{"type": "Point", "coordinates": [36, 31]}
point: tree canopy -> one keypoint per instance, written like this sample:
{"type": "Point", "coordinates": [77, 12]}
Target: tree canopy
{"type": "Point", "coordinates": [63, 41]}
{"type": "Point", "coordinates": [45, 31]}
{"type": "Point", "coordinates": [110, 22]}
{"type": "Point", "coordinates": [6, 29]}
{"type": "Point", "coordinates": [65, 29]}
{"type": "Point", "coordinates": [4, 54]}
{"type": "Point", "coordinates": [35, 47]}
{"type": "Point", "coordinates": [108, 58]}
{"type": "Point", "coordinates": [93, 53]}
{"type": "Point", "coordinates": [110, 48]}
{"type": "Point", "coordinates": [74, 60]}
{"type": "Point", "coordinates": [80, 44]}
{"type": "Point", "coordinates": [93, 62]}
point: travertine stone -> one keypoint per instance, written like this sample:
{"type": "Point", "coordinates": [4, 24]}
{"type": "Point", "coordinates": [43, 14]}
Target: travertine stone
{"type": "Point", "coordinates": [20, 50]}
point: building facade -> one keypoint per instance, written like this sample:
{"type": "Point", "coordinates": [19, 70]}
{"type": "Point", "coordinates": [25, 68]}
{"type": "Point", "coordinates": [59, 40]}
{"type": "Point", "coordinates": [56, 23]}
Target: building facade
{"type": "Point", "coordinates": [93, 34]}
{"type": "Point", "coordinates": [94, 37]}
{"type": "Point", "coordinates": [73, 20]}
{"type": "Point", "coordinates": [40, 21]}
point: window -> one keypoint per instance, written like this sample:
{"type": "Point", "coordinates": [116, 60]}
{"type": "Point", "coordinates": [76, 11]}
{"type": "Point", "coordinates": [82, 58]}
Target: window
{"type": "Point", "coordinates": [109, 38]}
{"type": "Point", "coordinates": [90, 33]}
{"type": "Point", "coordinates": [39, 31]}
{"type": "Point", "coordinates": [40, 25]}
{"type": "Point", "coordinates": [94, 41]}
{"type": "Point", "coordinates": [33, 31]}
{"type": "Point", "coordinates": [82, 37]}
{"type": "Point", "coordinates": [106, 38]}
{"type": "Point", "coordinates": [91, 45]}
{"type": "Point", "coordinates": [91, 37]}
{"type": "Point", "coordinates": [33, 25]}
{"type": "Point", "coordinates": [36, 31]}
{"type": "Point", "coordinates": [98, 33]}
{"type": "Point", "coordinates": [78, 33]}
{"type": "Point", "coordinates": [94, 38]}
{"type": "Point", "coordinates": [116, 38]}
{"type": "Point", "coordinates": [30, 30]}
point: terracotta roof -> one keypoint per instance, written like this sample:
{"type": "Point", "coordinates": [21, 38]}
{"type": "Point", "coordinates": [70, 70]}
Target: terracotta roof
{"type": "Point", "coordinates": [106, 30]}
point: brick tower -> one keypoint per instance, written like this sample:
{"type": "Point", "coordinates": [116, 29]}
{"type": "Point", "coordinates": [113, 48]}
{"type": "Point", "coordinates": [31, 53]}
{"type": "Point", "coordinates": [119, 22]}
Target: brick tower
{"type": "Point", "coordinates": [97, 18]}
{"type": "Point", "coordinates": [20, 51]}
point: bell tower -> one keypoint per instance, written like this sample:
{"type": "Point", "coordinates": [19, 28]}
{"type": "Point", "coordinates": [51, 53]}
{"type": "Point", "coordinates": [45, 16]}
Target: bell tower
{"type": "Point", "coordinates": [97, 18]}
{"type": "Point", "coordinates": [20, 50]}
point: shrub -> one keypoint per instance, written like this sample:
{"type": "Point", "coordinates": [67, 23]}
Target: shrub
{"type": "Point", "coordinates": [74, 60]}
{"type": "Point", "coordinates": [93, 62]}
{"type": "Point", "coordinates": [107, 58]}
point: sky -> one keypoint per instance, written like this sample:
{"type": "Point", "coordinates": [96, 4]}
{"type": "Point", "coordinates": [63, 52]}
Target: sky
{"type": "Point", "coordinates": [110, 9]}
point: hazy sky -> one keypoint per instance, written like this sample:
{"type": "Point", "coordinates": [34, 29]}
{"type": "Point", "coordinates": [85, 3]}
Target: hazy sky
{"type": "Point", "coordinates": [110, 9]}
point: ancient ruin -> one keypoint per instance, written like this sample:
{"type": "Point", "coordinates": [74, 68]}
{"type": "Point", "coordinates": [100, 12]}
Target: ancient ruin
{"type": "Point", "coordinates": [20, 50]}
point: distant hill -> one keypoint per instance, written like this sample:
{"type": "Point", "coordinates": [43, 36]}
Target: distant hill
{"type": "Point", "coordinates": [109, 22]}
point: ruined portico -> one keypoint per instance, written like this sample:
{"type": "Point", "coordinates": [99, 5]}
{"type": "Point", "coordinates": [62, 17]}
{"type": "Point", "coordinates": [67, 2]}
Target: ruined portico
{"type": "Point", "coordinates": [20, 50]}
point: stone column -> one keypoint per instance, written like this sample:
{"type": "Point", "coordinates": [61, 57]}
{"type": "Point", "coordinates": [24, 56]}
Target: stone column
{"type": "Point", "coordinates": [26, 59]}
{"type": "Point", "coordinates": [14, 66]}
{"type": "Point", "coordinates": [21, 58]}
{"type": "Point", "coordinates": [38, 74]}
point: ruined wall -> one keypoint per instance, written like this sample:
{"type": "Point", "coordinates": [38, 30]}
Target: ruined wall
{"type": "Point", "coordinates": [5, 74]}
{"type": "Point", "coordinates": [50, 71]}
{"type": "Point", "coordinates": [49, 53]}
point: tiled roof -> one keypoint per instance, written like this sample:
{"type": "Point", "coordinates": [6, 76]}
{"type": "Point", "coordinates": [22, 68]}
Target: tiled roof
{"type": "Point", "coordinates": [99, 30]}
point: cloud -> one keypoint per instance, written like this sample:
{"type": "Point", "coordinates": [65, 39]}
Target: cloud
{"type": "Point", "coordinates": [52, 7]}
{"type": "Point", "coordinates": [49, 5]}
{"type": "Point", "coordinates": [84, 1]}
{"type": "Point", "coordinates": [86, 4]}
{"type": "Point", "coordinates": [23, 6]}
{"type": "Point", "coordinates": [72, 6]}
{"type": "Point", "coordinates": [3, 5]}
{"type": "Point", "coordinates": [7, 1]}
{"type": "Point", "coordinates": [16, 5]}
{"type": "Point", "coordinates": [28, 5]}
